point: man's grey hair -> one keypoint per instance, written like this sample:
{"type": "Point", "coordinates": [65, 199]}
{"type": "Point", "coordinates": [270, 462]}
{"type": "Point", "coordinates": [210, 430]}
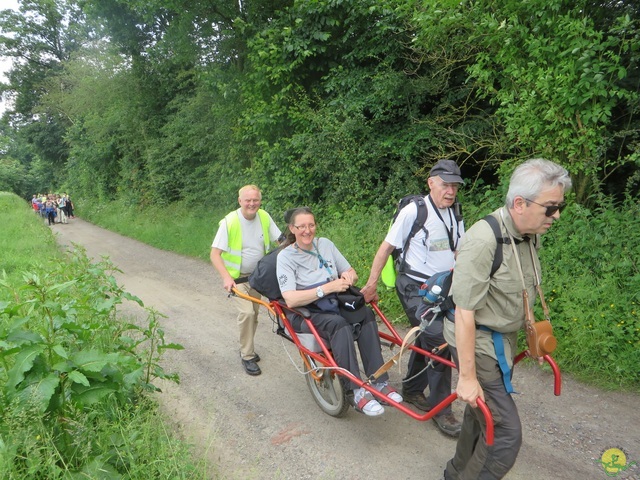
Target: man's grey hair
{"type": "Point", "coordinates": [533, 176]}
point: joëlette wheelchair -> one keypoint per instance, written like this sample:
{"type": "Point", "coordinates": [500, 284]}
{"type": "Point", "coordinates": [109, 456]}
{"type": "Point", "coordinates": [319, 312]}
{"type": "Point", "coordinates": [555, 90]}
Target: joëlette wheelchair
{"type": "Point", "coordinates": [322, 373]}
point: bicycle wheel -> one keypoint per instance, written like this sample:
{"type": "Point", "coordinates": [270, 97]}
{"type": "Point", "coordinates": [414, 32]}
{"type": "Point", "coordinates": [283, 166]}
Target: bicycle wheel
{"type": "Point", "coordinates": [326, 389]}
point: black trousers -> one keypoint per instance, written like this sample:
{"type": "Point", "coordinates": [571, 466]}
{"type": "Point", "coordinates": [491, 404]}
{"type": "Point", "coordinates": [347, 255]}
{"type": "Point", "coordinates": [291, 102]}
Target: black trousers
{"type": "Point", "coordinates": [438, 376]}
{"type": "Point", "coordinates": [341, 336]}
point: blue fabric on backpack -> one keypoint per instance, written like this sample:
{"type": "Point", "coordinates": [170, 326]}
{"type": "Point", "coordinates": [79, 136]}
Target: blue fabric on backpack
{"type": "Point", "coordinates": [443, 280]}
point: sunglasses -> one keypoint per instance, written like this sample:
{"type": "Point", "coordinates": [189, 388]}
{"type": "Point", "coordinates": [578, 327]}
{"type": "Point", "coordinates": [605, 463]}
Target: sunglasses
{"type": "Point", "coordinates": [550, 209]}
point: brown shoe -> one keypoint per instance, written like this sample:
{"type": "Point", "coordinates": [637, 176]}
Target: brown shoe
{"type": "Point", "coordinates": [417, 399]}
{"type": "Point", "coordinates": [448, 424]}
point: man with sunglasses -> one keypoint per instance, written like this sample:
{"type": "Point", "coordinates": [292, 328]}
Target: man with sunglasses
{"type": "Point", "coordinates": [243, 238]}
{"type": "Point", "coordinates": [490, 311]}
{"type": "Point", "coordinates": [431, 250]}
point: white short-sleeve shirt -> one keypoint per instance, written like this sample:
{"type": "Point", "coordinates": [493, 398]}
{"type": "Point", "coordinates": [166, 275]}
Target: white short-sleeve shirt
{"type": "Point", "coordinates": [430, 252]}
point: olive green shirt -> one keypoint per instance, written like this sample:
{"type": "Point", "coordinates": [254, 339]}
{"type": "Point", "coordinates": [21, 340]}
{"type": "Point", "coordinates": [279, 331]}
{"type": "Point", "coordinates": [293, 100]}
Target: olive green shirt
{"type": "Point", "coordinates": [497, 301]}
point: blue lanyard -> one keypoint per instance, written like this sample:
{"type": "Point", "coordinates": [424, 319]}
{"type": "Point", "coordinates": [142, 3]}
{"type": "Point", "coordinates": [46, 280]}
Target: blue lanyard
{"type": "Point", "coordinates": [323, 262]}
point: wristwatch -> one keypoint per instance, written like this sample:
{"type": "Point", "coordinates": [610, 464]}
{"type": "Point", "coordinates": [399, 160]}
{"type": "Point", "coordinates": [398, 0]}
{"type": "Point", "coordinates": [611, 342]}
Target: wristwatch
{"type": "Point", "coordinates": [319, 292]}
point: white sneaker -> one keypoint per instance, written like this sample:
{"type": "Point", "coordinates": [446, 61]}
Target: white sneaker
{"type": "Point", "coordinates": [365, 403]}
{"type": "Point", "coordinates": [390, 392]}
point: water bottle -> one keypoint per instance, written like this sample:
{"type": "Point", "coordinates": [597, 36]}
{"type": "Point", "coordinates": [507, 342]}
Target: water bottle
{"type": "Point", "coordinates": [433, 294]}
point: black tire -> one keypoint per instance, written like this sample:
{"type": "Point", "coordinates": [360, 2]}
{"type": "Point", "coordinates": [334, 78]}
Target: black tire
{"type": "Point", "coordinates": [326, 389]}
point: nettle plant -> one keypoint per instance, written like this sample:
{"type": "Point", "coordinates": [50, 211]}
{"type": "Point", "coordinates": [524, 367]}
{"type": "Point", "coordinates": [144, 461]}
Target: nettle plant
{"type": "Point", "coordinates": [62, 347]}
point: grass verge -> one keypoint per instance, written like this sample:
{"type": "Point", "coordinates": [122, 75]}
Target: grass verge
{"type": "Point", "coordinates": [76, 395]}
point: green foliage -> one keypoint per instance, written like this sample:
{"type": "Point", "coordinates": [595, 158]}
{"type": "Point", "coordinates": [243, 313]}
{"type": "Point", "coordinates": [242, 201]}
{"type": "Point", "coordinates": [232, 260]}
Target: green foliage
{"type": "Point", "coordinates": [73, 374]}
{"type": "Point", "coordinates": [23, 237]}
{"type": "Point", "coordinates": [94, 100]}
{"type": "Point", "coordinates": [592, 279]}
{"type": "Point", "coordinates": [556, 78]}
{"type": "Point", "coordinates": [40, 37]}
{"type": "Point", "coordinates": [12, 176]}
{"type": "Point", "coordinates": [480, 201]}
{"type": "Point", "coordinates": [562, 107]}
{"type": "Point", "coordinates": [334, 105]}
{"type": "Point", "coordinates": [64, 349]}
{"type": "Point", "coordinates": [319, 102]}
{"type": "Point", "coordinates": [110, 441]}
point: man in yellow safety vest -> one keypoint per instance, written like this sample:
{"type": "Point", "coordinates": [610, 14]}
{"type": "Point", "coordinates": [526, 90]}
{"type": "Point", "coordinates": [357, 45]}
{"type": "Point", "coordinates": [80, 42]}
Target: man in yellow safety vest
{"type": "Point", "coordinates": [244, 236]}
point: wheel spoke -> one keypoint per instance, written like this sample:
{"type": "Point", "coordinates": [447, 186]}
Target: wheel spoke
{"type": "Point", "coordinates": [327, 391]}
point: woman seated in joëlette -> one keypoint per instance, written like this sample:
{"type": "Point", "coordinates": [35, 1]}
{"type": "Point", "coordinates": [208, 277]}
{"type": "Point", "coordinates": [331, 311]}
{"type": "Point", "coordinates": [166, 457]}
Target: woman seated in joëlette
{"type": "Point", "coordinates": [310, 269]}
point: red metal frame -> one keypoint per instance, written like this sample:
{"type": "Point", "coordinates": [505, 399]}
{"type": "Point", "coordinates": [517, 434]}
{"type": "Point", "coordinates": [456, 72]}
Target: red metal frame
{"type": "Point", "coordinates": [326, 359]}
{"type": "Point", "coordinates": [557, 377]}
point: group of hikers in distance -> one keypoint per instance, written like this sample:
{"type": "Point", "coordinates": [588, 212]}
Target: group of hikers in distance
{"type": "Point", "coordinates": [53, 207]}
{"type": "Point", "coordinates": [480, 334]}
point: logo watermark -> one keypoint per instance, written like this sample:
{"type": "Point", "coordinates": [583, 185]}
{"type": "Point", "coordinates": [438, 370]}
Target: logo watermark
{"type": "Point", "coordinates": [614, 462]}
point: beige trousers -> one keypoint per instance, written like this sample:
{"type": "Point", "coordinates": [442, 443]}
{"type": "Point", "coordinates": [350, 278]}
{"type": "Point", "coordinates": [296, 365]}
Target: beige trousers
{"type": "Point", "coordinates": [247, 320]}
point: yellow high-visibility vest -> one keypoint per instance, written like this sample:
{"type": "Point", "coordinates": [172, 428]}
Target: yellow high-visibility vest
{"type": "Point", "coordinates": [233, 258]}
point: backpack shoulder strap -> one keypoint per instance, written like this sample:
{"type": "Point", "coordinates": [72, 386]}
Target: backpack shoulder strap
{"type": "Point", "coordinates": [418, 224]}
{"type": "Point", "coordinates": [421, 218]}
{"type": "Point", "coordinates": [497, 257]}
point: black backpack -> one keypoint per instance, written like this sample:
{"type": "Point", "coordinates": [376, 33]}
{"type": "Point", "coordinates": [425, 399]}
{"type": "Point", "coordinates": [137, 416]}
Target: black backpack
{"type": "Point", "coordinates": [394, 264]}
{"type": "Point", "coordinates": [444, 279]}
{"type": "Point", "coordinates": [497, 257]}
{"type": "Point", "coordinates": [264, 278]}
{"type": "Point", "coordinates": [418, 223]}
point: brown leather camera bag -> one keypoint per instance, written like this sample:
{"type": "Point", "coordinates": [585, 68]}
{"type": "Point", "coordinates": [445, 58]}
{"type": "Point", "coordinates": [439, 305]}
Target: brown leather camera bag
{"type": "Point", "coordinates": [540, 337]}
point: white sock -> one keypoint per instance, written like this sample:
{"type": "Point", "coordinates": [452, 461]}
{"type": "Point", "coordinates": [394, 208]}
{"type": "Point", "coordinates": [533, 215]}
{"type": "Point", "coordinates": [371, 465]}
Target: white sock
{"type": "Point", "coordinates": [358, 393]}
{"type": "Point", "coordinates": [380, 386]}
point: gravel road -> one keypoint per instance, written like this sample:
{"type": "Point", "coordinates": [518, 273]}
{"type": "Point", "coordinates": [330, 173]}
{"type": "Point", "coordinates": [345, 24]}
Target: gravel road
{"type": "Point", "coordinates": [268, 427]}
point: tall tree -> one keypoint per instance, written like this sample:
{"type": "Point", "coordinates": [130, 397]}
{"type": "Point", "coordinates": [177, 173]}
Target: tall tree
{"type": "Point", "coordinates": [554, 73]}
{"type": "Point", "coordinates": [339, 98]}
{"type": "Point", "coordinates": [39, 38]}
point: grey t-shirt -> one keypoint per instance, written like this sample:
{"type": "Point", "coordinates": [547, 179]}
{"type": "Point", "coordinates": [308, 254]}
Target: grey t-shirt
{"type": "Point", "coordinates": [299, 270]}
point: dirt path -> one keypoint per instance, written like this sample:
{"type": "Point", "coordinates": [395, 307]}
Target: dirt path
{"type": "Point", "coordinates": [268, 427]}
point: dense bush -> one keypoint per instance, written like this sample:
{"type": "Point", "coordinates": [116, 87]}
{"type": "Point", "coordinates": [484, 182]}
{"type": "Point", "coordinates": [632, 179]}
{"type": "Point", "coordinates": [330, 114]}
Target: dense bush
{"type": "Point", "coordinates": [74, 375]}
{"type": "Point", "coordinates": [319, 102]}
{"type": "Point", "coordinates": [592, 280]}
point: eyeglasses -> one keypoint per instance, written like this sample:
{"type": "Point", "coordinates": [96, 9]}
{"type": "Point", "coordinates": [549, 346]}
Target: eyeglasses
{"type": "Point", "coordinates": [445, 185]}
{"type": "Point", "coordinates": [550, 209]}
{"type": "Point", "coordinates": [310, 227]}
